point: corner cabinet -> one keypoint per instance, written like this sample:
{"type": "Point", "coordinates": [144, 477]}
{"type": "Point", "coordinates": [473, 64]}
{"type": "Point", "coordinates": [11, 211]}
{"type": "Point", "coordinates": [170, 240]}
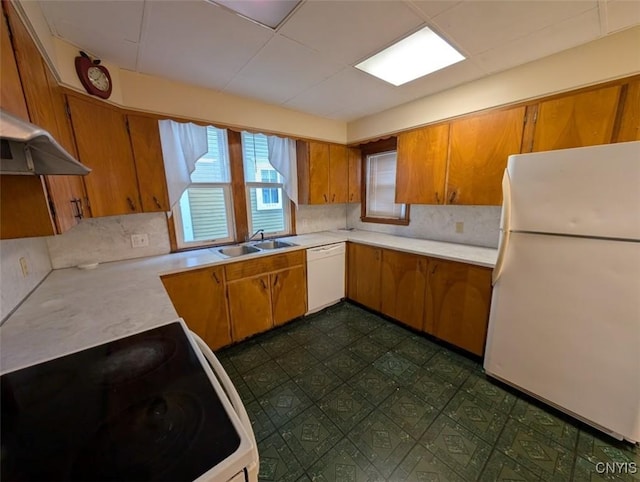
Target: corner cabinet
{"type": "Point", "coordinates": [422, 165]}
{"type": "Point", "coordinates": [199, 297]}
{"type": "Point", "coordinates": [265, 292]}
{"type": "Point", "coordinates": [327, 173]}
{"type": "Point", "coordinates": [363, 274]}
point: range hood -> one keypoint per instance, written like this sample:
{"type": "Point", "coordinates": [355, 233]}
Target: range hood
{"type": "Point", "coordinates": [28, 149]}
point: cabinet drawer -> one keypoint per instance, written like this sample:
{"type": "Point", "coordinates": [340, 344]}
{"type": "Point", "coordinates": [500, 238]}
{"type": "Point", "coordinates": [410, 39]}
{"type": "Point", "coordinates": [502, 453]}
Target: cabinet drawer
{"type": "Point", "coordinates": [255, 267]}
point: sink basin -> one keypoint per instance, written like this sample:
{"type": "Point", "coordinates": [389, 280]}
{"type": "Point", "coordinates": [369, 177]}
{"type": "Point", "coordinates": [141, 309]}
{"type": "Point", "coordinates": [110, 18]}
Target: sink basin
{"type": "Point", "coordinates": [233, 251]}
{"type": "Point", "coordinates": [273, 244]}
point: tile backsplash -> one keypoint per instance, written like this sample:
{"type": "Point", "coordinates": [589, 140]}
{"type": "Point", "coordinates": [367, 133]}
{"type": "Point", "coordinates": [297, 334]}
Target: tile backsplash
{"type": "Point", "coordinates": [479, 224]}
{"type": "Point", "coordinates": [15, 284]}
{"type": "Point", "coordinates": [99, 240]}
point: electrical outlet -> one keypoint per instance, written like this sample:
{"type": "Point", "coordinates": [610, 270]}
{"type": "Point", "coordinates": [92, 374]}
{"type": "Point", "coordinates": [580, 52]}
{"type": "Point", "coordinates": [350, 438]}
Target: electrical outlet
{"type": "Point", "coordinates": [24, 267]}
{"type": "Point", "coordinates": [139, 240]}
{"type": "Point", "coordinates": [459, 227]}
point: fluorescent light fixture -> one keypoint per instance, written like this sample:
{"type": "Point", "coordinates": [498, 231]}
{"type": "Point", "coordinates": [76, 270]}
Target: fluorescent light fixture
{"type": "Point", "coordinates": [269, 13]}
{"type": "Point", "coordinates": [417, 55]}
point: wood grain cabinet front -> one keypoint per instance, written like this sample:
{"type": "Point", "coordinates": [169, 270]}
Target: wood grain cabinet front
{"type": "Point", "coordinates": [363, 274]}
{"type": "Point", "coordinates": [199, 297]}
{"type": "Point", "coordinates": [266, 292]}
{"type": "Point", "coordinates": [457, 303]}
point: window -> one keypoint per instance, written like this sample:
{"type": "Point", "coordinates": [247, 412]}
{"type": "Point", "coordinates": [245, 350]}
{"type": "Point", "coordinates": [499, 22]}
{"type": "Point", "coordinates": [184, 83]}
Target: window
{"type": "Point", "coordinates": [204, 212]}
{"type": "Point", "coordinates": [380, 187]}
{"type": "Point", "coordinates": [267, 203]}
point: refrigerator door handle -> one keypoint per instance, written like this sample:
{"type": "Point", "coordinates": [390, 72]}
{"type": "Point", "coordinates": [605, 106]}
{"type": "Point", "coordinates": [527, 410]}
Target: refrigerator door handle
{"type": "Point", "coordinates": [505, 232]}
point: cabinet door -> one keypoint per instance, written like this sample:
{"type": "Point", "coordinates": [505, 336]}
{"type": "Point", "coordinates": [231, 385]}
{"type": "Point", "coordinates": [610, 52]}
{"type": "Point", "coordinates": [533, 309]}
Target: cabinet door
{"type": "Point", "coordinates": [479, 148]}
{"type": "Point", "coordinates": [578, 120]}
{"type": "Point", "coordinates": [403, 281]}
{"type": "Point", "coordinates": [249, 306]}
{"type": "Point", "coordinates": [288, 294]}
{"type": "Point", "coordinates": [338, 174]}
{"type": "Point", "coordinates": [147, 152]}
{"type": "Point", "coordinates": [11, 93]}
{"type": "Point", "coordinates": [363, 281]}
{"type": "Point", "coordinates": [103, 145]}
{"type": "Point", "coordinates": [318, 173]}
{"type": "Point", "coordinates": [355, 174]}
{"type": "Point", "coordinates": [199, 297]}
{"type": "Point", "coordinates": [630, 120]}
{"type": "Point", "coordinates": [24, 209]}
{"type": "Point", "coordinates": [422, 165]}
{"type": "Point", "coordinates": [457, 304]}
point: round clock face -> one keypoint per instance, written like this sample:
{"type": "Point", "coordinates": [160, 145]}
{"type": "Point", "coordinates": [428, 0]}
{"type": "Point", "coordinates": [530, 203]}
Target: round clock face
{"type": "Point", "coordinates": [98, 78]}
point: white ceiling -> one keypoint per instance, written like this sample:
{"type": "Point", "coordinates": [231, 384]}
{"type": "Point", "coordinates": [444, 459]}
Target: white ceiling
{"type": "Point", "coordinates": [307, 63]}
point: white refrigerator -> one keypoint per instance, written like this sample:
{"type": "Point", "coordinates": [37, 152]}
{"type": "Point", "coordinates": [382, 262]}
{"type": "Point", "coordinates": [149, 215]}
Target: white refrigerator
{"type": "Point", "coordinates": [565, 312]}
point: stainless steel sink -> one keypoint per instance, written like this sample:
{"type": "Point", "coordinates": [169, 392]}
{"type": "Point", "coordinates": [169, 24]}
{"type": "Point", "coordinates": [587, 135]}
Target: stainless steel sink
{"type": "Point", "coordinates": [273, 244]}
{"type": "Point", "coordinates": [233, 251]}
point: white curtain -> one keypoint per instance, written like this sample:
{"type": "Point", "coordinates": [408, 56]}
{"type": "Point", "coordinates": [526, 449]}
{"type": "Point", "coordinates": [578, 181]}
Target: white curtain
{"type": "Point", "coordinates": [282, 156]}
{"type": "Point", "coordinates": [182, 145]}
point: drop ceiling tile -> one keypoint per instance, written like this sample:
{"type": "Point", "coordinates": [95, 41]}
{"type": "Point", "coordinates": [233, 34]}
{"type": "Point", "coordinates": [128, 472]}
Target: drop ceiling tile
{"type": "Point", "coordinates": [622, 14]}
{"type": "Point", "coordinates": [114, 19]}
{"type": "Point", "coordinates": [431, 8]}
{"type": "Point", "coordinates": [281, 70]}
{"type": "Point", "coordinates": [349, 31]}
{"type": "Point", "coordinates": [555, 38]}
{"type": "Point", "coordinates": [477, 26]}
{"type": "Point", "coordinates": [197, 42]}
{"type": "Point", "coordinates": [347, 89]}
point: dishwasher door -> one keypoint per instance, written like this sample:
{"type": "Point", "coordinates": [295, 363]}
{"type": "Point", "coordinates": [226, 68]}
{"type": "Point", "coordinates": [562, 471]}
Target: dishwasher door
{"type": "Point", "coordinates": [325, 276]}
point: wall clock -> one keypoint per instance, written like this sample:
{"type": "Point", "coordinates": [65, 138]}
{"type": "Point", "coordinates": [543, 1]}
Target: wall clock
{"type": "Point", "coordinates": [94, 77]}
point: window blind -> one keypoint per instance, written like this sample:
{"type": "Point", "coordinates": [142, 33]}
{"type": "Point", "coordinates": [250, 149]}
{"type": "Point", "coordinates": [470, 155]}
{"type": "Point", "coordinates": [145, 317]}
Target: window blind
{"type": "Point", "coordinates": [381, 187]}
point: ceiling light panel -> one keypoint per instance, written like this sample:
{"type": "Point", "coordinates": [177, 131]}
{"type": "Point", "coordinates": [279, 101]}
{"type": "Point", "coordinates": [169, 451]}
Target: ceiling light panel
{"type": "Point", "coordinates": [270, 13]}
{"type": "Point", "coordinates": [415, 56]}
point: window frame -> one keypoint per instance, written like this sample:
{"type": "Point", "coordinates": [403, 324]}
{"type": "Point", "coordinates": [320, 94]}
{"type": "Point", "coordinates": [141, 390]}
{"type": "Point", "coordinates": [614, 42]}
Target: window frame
{"type": "Point", "coordinates": [373, 148]}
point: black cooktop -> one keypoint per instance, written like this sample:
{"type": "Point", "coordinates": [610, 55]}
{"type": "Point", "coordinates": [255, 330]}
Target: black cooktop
{"type": "Point", "coordinates": [138, 408]}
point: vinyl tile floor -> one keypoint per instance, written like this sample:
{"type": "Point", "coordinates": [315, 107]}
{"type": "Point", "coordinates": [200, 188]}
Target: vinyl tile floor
{"type": "Point", "coordinates": [346, 395]}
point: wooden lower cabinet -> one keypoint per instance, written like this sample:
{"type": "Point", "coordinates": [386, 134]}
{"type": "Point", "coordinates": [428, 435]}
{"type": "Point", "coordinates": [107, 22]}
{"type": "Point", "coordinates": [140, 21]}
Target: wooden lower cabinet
{"type": "Point", "coordinates": [266, 292]}
{"type": "Point", "coordinates": [363, 280]}
{"type": "Point", "coordinates": [199, 297]}
{"type": "Point", "coordinates": [403, 281]}
{"type": "Point", "coordinates": [288, 294]}
{"type": "Point", "coordinates": [457, 303]}
{"type": "Point", "coordinates": [446, 299]}
{"type": "Point", "coordinates": [249, 306]}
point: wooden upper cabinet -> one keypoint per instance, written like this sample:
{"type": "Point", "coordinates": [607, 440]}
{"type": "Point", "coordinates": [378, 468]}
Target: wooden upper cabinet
{"type": "Point", "coordinates": [147, 151]}
{"type": "Point", "coordinates": [338, 174]}
{"type": "Point", "coordinates": [25, 210]}
{"type": "Point", "coordinates": [103, 145]}
{"type": "Point", "coordinates": [363, 280]}
{"type": "Point", "coordinates": [199, 297]}
{"type": "Point", "coordinates": [577, 120]}
{"type": "Point", "coordinates": [403, 282]}
{"type": "Point", "coordinates": [323, 173]}
{"type": "Point", "coordinates": [629, 129]}
{"type": "Point", "coordinates": [422, 165]}
{"type": "Point", "coordinates": [479, 148]}
{"type": "Point", "coordinates": [11, 93]}
{"type": "Point", "coordinates": [355, 174]}
{"type": "Point", "coordinates": [457, 303]}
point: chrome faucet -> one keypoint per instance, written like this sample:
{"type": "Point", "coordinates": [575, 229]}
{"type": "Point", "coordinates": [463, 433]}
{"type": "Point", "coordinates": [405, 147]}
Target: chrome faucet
{"type": "Point", "coordinates": [260, 231]}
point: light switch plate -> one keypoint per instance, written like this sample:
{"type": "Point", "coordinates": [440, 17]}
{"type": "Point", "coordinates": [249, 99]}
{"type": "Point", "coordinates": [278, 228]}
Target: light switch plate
{"type": "Point", "coordinates": [139, 240]}
{"type": "Point", "coordinates": [459, 227]}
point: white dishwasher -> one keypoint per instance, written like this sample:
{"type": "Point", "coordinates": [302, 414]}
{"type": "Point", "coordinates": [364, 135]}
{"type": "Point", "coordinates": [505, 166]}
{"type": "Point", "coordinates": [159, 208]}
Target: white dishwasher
{"type": "Point", "coordinates": [325, 275]}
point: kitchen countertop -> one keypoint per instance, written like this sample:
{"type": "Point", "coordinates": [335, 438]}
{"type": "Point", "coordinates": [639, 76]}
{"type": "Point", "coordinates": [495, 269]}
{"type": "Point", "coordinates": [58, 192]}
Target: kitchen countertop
{"type": "Point", "coordinates": [73, 309]}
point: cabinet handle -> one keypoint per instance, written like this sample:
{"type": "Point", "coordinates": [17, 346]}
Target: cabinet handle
{"type": "Point", "coordinates": [158, 205]}
{"type": "Point", "coordinates": [215, 277]}
{"type": "Point", "coordinates": [333, 198]}
{"type": "Point", "coordinates": [275, 281]}
{"type": "Point", "coordinates": [351, 197]}
{"type": "Point", "coordinates": [452, 198]}
{"type": "Point", "coordinates": [435, 268]}
{"type": "Point", "coordinates": [437, 197]}
{"type": "Point", "coordinates": [77, 213]}
{"type": "Point", "coordinates": [325, 198]}
{"type": "Point", "coordinates": [81, 212]}
{"type": "Point", "coordinates": [132, 205]}
{"type": "Point", "coordinates": [264, 285]}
